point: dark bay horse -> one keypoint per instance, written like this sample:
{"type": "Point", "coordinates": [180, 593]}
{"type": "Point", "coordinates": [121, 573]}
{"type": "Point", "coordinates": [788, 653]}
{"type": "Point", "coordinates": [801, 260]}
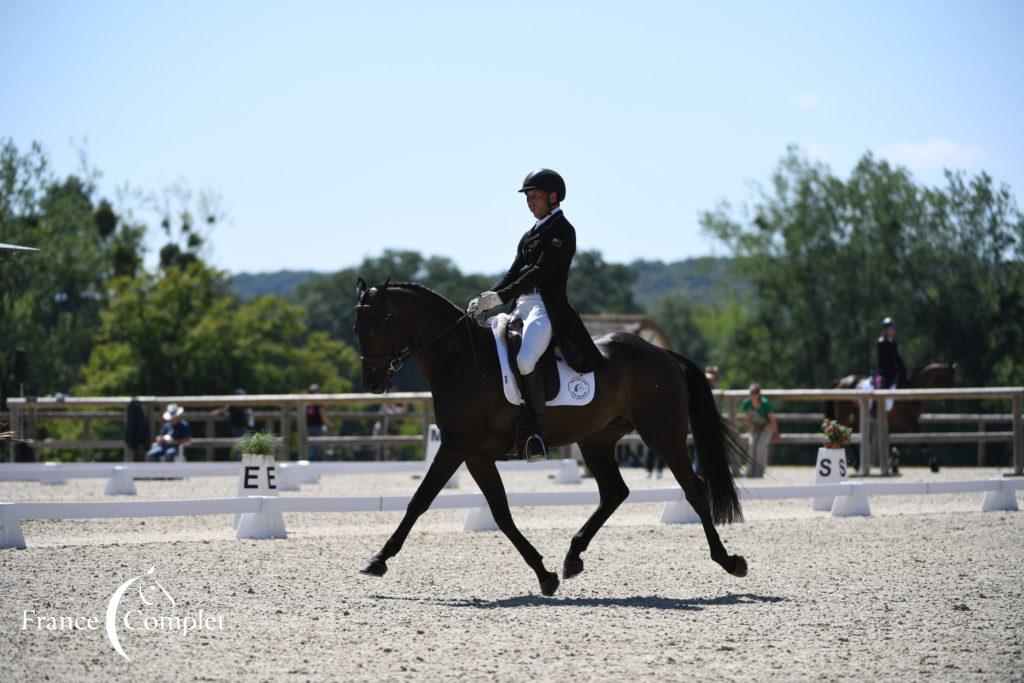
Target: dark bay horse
{"type": "Point", "coordinates": [657, 392]}
{"type": "Point", "coordinates": [905, 416]}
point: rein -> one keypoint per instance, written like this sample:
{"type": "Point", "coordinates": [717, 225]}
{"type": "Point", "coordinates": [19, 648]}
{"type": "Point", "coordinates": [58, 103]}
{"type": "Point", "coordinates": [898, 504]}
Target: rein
{"type": "Point", "coordinates": [397, 359]}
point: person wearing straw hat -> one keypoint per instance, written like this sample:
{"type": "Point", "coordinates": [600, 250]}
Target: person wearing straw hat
{"type": "Point", "coordinates": [174, 434]}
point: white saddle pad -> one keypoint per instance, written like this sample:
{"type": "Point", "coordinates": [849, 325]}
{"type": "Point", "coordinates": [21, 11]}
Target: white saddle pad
{"type": "Point", "coordinates": [574, 389]}
{"type": "Point", "coordinates": [867, 384]}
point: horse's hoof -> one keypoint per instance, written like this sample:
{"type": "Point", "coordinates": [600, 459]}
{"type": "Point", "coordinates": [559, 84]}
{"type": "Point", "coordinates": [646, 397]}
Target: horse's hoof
{"type": "Point", "coordinates": [739, 566]}
{"type": "Point", "coordinates": [549, 584]}
{"type": "Point", "coordinates": [571, 568]}
{"type": "Point", "coordinates": [376, 567]}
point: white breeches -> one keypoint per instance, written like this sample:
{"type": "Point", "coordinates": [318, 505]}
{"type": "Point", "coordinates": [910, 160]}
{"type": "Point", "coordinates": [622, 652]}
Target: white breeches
{"type": "Point", "coordinates": [536, 331]}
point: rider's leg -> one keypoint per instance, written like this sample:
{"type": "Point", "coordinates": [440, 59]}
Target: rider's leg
{"type": "Point", "coordinates": [537, 332]}
{"type": "Point", "coordinates": [537, 335]}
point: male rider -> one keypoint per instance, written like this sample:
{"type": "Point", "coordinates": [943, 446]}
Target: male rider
{"type": "Point", "coordinates": [890, 365]}
{"type": "Point", "coordinates": [536, 282]}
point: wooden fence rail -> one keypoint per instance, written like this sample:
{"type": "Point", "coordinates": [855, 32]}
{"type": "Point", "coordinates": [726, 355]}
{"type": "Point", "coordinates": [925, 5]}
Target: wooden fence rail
{"type": "Point", "coordinates": [284, 412]}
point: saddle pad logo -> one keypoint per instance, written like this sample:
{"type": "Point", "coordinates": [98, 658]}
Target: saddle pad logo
{"type": "Point", "coordinates": [579, 388]}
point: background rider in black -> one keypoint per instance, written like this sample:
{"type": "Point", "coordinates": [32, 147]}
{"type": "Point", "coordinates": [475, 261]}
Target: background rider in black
{"type": "Point", "coordinates": [890, 365]}
{"type": "Point", "coordinates": [536, 282]}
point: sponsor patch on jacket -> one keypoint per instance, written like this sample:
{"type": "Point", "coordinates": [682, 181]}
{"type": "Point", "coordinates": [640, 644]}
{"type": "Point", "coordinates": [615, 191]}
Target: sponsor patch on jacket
{"type": "Point", "coordinates": [555, 242]}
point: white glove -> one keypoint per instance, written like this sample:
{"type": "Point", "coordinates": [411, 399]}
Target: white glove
{"type": "Point", "coordinates": [485, 302]}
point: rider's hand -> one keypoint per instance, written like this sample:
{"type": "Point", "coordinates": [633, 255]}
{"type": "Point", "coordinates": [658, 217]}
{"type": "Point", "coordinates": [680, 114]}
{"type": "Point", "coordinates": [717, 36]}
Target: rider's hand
{"type": "Point", "coordinates": [485, 302]}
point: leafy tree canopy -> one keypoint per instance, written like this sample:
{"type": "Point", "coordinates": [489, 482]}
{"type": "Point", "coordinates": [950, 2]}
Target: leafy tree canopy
{"type": "Point", "coordinates": [50, 301]}
{"type": "Point", "coordinates": [178, 332]}
{"type": "Point", "coordinates": [828, 258]}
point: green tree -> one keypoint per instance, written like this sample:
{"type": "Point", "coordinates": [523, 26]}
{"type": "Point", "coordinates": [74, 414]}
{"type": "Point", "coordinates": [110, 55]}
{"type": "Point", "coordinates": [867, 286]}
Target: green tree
{"type": "Point", "coordinates": [177, 332]}
{"type": "Point", "coordinates": [828, 258]}
{"type": "Point", "coordinates": [50, 302]}
{"type": "Point", "coordinates": [596, 286]}
{"type": "Point", "coordinates": [330, 299]}
{"type": "Point", "coordinates": [679, 318]}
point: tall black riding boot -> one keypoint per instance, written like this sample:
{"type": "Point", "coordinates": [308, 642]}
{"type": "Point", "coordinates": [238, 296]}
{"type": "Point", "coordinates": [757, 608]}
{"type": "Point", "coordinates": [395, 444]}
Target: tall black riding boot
{"type": "Point", "coordinates": [535, 449]}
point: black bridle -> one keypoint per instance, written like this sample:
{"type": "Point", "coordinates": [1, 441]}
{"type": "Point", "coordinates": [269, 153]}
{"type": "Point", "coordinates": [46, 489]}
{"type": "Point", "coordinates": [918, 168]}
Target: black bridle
{"type": "Point", "coordinates": [397, 357]}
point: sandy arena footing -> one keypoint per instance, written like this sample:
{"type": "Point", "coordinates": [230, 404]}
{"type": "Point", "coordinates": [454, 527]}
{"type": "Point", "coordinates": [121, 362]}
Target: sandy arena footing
{"type": "Point", "coordinates": [929, 587]}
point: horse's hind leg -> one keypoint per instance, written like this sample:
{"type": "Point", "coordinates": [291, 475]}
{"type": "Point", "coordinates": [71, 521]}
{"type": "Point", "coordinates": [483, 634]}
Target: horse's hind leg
{"type": "Point", "coordinates": [599, 456]}
{"type": "Point", "coordinates": [485, 474]}
{"type": "Point", "coordinates": [668, 438]}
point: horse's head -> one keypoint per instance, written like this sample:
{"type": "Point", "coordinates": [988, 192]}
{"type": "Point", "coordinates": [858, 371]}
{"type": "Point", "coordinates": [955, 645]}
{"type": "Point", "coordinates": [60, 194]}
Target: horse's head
{"type": "Point", "coordinates": [934, 376]}
{"type": "Point", "coordinates": [379, 340]}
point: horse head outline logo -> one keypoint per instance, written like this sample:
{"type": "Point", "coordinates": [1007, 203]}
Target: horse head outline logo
{"type": "Point", "coordinates": [148, 594]}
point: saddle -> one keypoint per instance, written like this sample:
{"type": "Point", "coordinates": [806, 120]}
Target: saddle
{"type": "Point", "coordinates": [546, 365]}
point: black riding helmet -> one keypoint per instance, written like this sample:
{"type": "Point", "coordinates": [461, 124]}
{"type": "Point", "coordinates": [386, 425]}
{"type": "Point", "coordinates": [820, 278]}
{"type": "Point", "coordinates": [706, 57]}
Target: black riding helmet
{"type": "Point", "coordinates": [547, 180]}
{"type": "Point", "coordinates": [888, 322]}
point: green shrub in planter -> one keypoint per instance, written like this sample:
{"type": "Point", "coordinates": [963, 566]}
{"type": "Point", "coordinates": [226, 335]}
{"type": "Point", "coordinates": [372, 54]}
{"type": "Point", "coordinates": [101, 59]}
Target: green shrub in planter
{"type": "Point", "coordinates": [256, 443]}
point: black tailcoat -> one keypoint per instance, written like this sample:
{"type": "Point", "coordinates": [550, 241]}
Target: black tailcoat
{"type": "Point", "coordinates": [542, 263]}
{"type": "Point", "coordinates": [890, 365]}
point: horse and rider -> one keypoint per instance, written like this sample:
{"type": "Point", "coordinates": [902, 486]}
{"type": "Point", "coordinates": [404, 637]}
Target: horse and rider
{"type": "Point", "coordinates": [890, 372]}
{"type": "Point", "coordinates": [636, 387]}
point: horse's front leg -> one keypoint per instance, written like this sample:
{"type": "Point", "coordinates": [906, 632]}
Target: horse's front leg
{"type": "Point", "coordinates": [487, 478]}
{"type": "Point", "coordinates": [440, 471]}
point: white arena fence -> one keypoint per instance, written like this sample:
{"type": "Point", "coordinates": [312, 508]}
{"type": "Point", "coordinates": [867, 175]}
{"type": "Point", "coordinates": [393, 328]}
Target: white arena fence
{"type": "Point", "coordinates": [290, 475]}
{"type": "Point", "coordinates": [261, 516]}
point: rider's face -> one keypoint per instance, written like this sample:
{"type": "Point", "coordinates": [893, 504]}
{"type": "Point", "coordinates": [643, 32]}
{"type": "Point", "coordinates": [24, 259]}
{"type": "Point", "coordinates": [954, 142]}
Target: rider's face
{"type": "Point", "coordinates": [539, 202]}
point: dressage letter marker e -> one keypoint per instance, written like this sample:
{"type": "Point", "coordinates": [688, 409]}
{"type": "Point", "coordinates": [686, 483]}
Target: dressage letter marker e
{"type": "Point", "coordinates": [258, 479]}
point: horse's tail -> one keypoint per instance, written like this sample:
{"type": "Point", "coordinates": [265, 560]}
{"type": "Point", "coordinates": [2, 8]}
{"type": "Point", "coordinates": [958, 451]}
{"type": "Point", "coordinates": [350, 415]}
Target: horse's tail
{"type": "Point", "coordinates": [716, 443]}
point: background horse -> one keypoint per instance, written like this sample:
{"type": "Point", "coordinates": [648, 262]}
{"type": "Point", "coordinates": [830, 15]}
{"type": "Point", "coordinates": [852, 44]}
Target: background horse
{"type": "Point", "coordinates": [656, 392]}
{"type": "Point", "coordinates": [905, 416]}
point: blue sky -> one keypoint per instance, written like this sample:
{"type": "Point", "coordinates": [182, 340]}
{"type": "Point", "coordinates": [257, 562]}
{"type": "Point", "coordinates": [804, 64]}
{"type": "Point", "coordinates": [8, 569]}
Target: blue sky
{"type": "Point", "coordinates": [334, 130]}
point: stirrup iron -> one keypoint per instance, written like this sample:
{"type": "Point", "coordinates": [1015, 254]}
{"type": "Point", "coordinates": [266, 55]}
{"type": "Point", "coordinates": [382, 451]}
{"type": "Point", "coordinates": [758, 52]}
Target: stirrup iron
{"type": "Point", "coordinates": [535, 457]}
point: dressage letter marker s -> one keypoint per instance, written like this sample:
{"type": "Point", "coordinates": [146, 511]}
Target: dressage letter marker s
{"type": "Point", "coordinates": [831, 469]}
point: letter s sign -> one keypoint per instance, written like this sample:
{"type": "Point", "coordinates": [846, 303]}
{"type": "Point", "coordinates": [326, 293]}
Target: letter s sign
{"type": "Point", "coordinates": [826, 467]}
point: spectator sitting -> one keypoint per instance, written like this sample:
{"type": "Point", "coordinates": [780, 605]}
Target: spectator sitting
{"type": "Point", "coordinates": [762, 429]}
{"type": "Point", "coordinates": [174, 434]}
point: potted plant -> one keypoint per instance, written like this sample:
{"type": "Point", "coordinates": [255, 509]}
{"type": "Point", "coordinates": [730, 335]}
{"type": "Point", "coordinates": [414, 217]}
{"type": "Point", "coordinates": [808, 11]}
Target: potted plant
{"type": "Point", "coordinates": [256, 443]}
{"type": "Point", "coordinates": [835, 434]}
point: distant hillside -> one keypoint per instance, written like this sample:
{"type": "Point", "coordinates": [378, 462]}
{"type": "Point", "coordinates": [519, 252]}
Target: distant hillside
{"type": "Point", "coordinates": [282, 282]}
{"type": "Point", "coordinates": [706, 280]}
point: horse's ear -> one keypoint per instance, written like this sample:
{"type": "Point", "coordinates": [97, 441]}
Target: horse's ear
{"type": "Point", "coordinates": [386, 284]}
{"type": "Point", "coordinates": [360, 287]}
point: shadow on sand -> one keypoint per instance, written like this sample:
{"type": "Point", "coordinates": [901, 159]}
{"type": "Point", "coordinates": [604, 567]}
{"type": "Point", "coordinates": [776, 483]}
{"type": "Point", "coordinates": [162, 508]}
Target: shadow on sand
{"type": "Point", "coordinates": [637, 602]}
